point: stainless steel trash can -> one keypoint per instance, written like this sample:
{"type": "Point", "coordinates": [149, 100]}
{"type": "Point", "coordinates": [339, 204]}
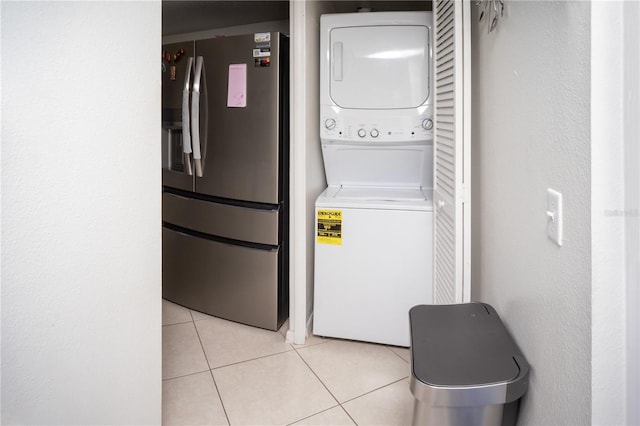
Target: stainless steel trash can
{"type": "Point", "coordinates": [465, 367]}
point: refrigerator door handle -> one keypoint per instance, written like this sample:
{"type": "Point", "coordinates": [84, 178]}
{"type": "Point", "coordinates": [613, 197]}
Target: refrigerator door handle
{"type": "Point", "coordinates": [195, 116]}
{"type": "Point", "coordinates": [186, 132]}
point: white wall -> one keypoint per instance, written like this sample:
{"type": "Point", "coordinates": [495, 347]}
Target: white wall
{"type": "Point", "coordinates": [531, 131]}
{"type": "Point", "coordinates": [607, 215]}
{"type": "Point", "coordinates": [631, 99]}
{"type": "Point", "coordinates": [307, 179]}
{"type": "Point", "coordinates": [81, 260]}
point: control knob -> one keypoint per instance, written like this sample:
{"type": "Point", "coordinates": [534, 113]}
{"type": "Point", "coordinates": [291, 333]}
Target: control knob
{"type": "Point", "coordinates": [330, 123]}
{"type": "Point", "coordinates": [374, 133]}
{"type": "Point", "coordinates": [362, 133]}
{"type": "Point", "coordinates": [427, 124]}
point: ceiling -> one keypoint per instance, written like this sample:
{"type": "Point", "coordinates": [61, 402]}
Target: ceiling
{"type": "Point", "coordinates": [186, 16]}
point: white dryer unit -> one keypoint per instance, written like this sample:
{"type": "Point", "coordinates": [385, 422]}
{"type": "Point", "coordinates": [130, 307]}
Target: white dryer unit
{"type": "Point", "coordinates": [376, 79]}
{"type": "Point", "coordinates": [374, 222]}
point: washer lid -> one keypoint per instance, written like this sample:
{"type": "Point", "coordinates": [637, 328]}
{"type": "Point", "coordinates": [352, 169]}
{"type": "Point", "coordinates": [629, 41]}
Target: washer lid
{"type": "Point", "coordinates": [464, 346]}
{"type": "Point", "coordinates": [382, 194]}
{"type": "Point", "coordinates": [373, 198]}
{"type": "Point", "coordinates": [408, 165]}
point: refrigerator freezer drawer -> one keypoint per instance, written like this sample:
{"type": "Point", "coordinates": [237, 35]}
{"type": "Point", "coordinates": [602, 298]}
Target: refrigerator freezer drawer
{"type": "Point", "coordinates": [222, 220]}
{"type": "Point", "coordinates": [232, 282]}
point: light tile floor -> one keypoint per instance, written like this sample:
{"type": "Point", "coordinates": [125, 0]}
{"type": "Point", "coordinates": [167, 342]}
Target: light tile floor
{"type": "Point", "coordinates": [217, 372]}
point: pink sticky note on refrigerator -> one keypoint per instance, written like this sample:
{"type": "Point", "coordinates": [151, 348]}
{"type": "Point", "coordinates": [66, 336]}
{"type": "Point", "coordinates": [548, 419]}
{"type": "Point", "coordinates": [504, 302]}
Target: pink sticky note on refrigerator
{"type": "Point", "coordinates": [237, 93]}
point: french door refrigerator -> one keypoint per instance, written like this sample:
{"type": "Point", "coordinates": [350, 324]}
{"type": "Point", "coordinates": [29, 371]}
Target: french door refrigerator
{"type": "Point", "coordinates": [225, 171]}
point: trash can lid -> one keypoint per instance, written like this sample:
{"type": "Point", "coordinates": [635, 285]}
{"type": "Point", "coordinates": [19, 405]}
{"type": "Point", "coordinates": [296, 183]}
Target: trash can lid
{"type": "Point", "coordinates": [464, 346]}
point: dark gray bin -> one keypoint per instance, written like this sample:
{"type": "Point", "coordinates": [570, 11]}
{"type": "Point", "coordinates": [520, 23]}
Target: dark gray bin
{"type": "Point", "coordinates": [465, 367]}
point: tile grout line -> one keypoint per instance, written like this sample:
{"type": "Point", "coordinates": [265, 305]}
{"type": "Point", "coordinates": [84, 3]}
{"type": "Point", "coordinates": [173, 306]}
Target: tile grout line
{"type": "Point", "coordinates": [251, 359]}
{"type": "Point", "coordinates": [233, 363]}
{"type": "Point", "coordinates": [317, 377]}
{"type": "Point", "coordinates": [200, 340]}
{"type": "Point", "coordinates": [163, 355]}
{"type": "Point", "coordinates": [176, 323]}
{"type": "Point", "coordinates": [376, 389]}
{"type": "Point", "coordinates": [398, 355]}
{"type": "Point", "coordinates": [315, 414]}
{"type": "Point", "coordinates": [325, 386]}
{"type": "Point", "coordinates": [310, 345]}
{"type": "Point", "coordinates": [210, 369]}
{"type": "Point", "coordinates": [220, 397]}
{"type": "Point", "coordinates": [291, 347]}
{"type": "Point", "coordinates": [341, 404]}
{"type": "Point", "coordinates": [184, 375]}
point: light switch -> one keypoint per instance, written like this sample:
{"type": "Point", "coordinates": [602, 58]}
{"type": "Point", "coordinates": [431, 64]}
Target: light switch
{"type": "Point", "coordinates": [554, 215]}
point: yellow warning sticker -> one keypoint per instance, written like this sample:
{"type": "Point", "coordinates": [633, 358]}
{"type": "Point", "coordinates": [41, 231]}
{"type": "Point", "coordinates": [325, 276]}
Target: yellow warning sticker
{"type": "Point", "coordinates": [330, 227]}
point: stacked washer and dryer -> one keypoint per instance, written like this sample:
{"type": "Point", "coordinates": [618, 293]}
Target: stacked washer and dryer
{"type": "Point", "coordinates": [374, 222]}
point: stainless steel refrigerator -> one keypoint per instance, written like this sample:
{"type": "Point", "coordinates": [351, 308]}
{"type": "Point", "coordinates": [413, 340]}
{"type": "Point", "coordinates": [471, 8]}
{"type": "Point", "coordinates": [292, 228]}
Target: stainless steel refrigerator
{"type": "Point", "coordinates": [225, 200]}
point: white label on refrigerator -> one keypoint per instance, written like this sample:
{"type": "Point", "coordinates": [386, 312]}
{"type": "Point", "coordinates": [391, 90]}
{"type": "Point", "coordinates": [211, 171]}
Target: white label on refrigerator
{"type": "Point", "coordinates": [262, 37]}
{"type": "Point", "coordinates": [237, 93]}
{"type": "Point", "coordinates": [263, 52]}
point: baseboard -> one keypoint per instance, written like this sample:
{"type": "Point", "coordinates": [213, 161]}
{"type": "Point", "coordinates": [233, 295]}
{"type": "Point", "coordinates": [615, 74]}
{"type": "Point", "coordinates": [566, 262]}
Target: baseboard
{"type": "Point", "coordinates": [290, 336]}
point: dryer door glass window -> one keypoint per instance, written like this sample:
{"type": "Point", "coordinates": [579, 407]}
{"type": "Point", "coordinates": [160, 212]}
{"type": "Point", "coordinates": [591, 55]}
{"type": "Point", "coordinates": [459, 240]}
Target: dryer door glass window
{"type": "Point", "coordinates": [379, 67]}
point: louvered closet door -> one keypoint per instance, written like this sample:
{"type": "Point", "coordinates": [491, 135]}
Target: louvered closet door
{"type": "Point", "coordinates": [451, 151]}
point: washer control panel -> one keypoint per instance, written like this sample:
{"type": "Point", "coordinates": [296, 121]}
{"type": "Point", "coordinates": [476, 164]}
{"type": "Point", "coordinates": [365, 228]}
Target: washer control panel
{"type": "Point", "coordinates": [383, 129]}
